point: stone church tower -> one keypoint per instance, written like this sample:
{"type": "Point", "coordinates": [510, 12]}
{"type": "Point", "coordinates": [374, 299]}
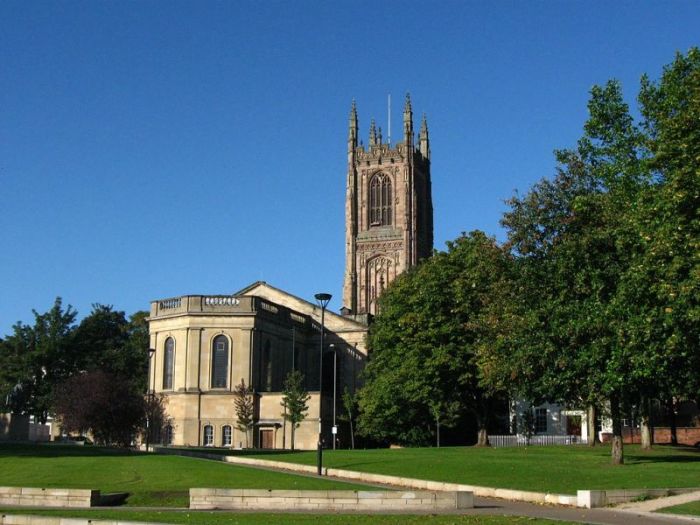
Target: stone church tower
{"type": "Point", "coordinates": [388, 210]}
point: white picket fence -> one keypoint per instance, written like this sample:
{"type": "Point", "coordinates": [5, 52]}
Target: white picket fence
{"type": "Point", "coordinates": [534, 441]}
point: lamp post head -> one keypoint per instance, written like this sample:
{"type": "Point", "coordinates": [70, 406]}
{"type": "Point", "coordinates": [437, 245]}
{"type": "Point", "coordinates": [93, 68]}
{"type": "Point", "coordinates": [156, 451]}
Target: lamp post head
{"type": "Point", "coordinates": [323, 299]}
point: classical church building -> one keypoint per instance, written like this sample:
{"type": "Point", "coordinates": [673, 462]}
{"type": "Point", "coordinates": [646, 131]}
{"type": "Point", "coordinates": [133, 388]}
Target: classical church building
{"type": "Point", "coordinates": [205, 345]}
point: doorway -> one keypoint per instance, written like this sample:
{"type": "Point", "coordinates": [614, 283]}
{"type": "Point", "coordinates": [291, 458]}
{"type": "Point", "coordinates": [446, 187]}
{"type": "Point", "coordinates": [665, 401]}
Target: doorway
{"type": "Point", "coordinates": [266, 438]}
{"type": "Point", "coordinates": [573, 425]}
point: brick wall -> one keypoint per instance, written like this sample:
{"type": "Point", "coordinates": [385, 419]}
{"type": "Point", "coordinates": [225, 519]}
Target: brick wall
{"type": "Point", "coordinates": [686, 435]}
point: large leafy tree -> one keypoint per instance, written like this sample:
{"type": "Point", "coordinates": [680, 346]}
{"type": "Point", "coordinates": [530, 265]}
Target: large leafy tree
{"type": "Point", "coordinates": [422, 369]}
{"type": "Point", "coordinates": [35, 358]}
{"type": "Point", "coordinates": [608, 256]}
{"type": "Point", "coordinates": [102, 403]}
{"type": "Point", "coordinates": [660, 293]}
{"type": "Point", "coordinates": [106, 340]}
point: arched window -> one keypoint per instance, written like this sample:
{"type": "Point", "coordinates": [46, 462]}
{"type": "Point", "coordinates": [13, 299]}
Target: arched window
{"type": "Point", "coordinates": [219, 362]}
{"type": "Point", "coordinates": [208, 436]}
{"type": "Point", "coordinates": [168, 435]}
{"type": "Point", "coordinates": [168, 363]}
{"type": "Point", "coordinates": [226, 436]}
{"type": "Point", "coordinates": [380, 205]}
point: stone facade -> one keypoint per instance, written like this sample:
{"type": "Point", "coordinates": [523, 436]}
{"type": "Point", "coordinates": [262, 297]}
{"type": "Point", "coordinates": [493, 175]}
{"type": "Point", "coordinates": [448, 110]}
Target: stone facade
{"type": "Point", "coordinates": [262, 333]}
{"type": "Point", "coordinates": [388, 211]}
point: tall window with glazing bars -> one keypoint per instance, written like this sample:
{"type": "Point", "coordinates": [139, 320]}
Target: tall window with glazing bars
{"type": "Point", "coordinates": [380, 205]}
{"type": "Point", "coordinates": [219, 362]}
{"type": "Point", "coordinates": [168, 363]}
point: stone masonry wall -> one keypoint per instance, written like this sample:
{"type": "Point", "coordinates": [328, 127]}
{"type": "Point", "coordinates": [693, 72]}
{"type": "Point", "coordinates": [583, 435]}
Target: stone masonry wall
{"type": "Point", "coordinates": [37, 497]}
{"type": "Point", "coordinates": [340, 500]}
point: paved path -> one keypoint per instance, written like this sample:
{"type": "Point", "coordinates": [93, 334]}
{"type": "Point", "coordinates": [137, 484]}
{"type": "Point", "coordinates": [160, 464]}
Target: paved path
{"type": "Point", "coordinates": [660, 503]}
{"type": "Point", "coordinates": [496, 507]}
{"type": "Point", "coordinates": [607, 516]}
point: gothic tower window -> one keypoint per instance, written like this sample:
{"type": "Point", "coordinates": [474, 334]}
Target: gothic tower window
{"type": "Point", "coordinates": [219, 366]}
{"type": "Point", "coordinates": [168, 363]}
{"type": "Point", "coordinates": [380, 206]}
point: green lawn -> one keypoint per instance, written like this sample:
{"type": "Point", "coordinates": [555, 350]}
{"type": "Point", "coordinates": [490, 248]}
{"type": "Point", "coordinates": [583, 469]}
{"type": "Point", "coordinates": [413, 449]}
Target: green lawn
{"type": "Point", "coordinates": [692, 508]}
{"type": "Point", "coordinates": [561, 469]}
{"type": "Point", "coordinates": [230, 518]}
{"type": "Point", "coordinates": [151, 480]}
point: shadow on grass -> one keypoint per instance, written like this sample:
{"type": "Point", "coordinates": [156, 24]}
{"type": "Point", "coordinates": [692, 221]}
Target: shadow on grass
{"type": "Point", "coordinates": [682, 454]}
{"type": "Point", "coordinates": [233, 452]}
{"type": "Point", "coordinates": [54, 450]}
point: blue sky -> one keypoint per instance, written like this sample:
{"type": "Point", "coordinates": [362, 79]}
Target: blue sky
{"type": "Point", "coordinates": [152, 149]}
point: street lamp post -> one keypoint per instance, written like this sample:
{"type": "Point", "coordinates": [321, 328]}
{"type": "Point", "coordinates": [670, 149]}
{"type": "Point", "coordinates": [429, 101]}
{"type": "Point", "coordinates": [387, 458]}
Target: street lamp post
{"type": "Point", "coordinates": [335, 379]}
{"type": "Point", "coordinates": [322, 299]}
{"type": "Point", "coordinates": [149, 393]}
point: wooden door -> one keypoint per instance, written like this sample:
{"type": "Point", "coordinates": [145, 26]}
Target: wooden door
{"type": "Point", "coordinates": [266, 440]}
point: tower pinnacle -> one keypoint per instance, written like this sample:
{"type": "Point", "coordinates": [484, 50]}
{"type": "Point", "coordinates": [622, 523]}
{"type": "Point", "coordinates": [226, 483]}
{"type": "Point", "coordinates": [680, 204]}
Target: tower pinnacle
{"type": "Point", "coordinates": [352, 127]}
{"type": "Point", "coordinates": [408, 121]}
{"type": "Point", "coordinates": [423, 138]}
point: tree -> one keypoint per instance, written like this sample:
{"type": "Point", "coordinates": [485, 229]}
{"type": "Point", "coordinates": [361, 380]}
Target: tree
{"type": "Point", "coordinates": [102, 403]}
{"type": "Point", "coordinates": [34, 359]}
{"type": "Point", "coordinates": [570, 244]}
{"type": "Point", "coordinates": [607, 257]}
{"type": "Point", "coordinates": [349, 413]}
{"type": "Point", "coordinates": [155, 418]}
{"type": "Point", "coordinates": [294, 400]}
{"type": "Point", "coordinates": [244, 407]}
{"type": "Point", "coordinates": [106, 340]}
{"type": "Point", "coordinates": [423, 344]}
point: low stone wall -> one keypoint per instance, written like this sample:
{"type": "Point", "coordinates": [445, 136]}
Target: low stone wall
{"type": "Point", "coordinates": [334, 500]}
{"type": "Point", "coordinates": [35, 497]}
{"type": "Point", "coordinates": [591, 499]}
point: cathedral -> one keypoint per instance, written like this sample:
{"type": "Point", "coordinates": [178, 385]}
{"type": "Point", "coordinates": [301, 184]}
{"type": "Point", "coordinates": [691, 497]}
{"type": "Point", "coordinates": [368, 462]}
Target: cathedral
{"type": "Point", "coordinates": [205, 345]}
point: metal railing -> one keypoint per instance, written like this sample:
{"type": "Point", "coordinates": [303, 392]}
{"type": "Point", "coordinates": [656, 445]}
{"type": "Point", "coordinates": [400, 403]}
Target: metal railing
{"type": "Point", "coordinates": [534, 441]}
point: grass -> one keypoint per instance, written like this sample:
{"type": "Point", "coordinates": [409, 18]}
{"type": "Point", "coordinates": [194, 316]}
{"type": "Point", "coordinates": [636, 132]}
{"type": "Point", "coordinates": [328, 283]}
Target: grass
{"type": "Point", "coordinates": [229, 518]}
{"type": "Point", "coordinates": [562, 469]}
{"type": "Point", "coordinates": [692, 509]}
{"type": "Point", "coordinates": [151, 480]}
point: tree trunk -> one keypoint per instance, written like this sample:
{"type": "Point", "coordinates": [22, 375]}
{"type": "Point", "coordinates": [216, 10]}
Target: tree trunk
{"type": "Point", "coordinates": [645, 426]}
{"type": "Point", "coordinates": [617, 452]}
{"type": "Point", "coordinates": [592, 434]}
{"type": "Point", "coordinates": [482, 421]}
{"type": "Point", "coordinates": [292, 437]}
{"type": "Point", "coordinates": [438, 433]}
{"type": "Point", "coordinates": [284, 433]}
{"type": "Point", "coordinates": [645, 432]}
{"type": "Point", "coordinates": [352, 435]}
{"type": "Point", "coordinates": [672, 420]}
{"type": "Point", "coordinates": [483, 438]}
